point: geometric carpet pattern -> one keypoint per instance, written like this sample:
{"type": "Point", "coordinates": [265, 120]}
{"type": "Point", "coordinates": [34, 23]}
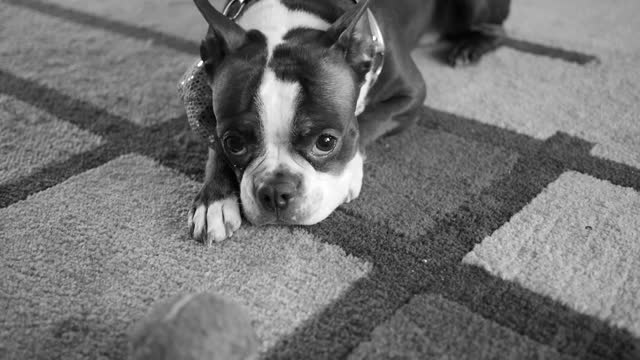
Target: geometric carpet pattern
{"type": "Point", "coordinates": [504, 225]}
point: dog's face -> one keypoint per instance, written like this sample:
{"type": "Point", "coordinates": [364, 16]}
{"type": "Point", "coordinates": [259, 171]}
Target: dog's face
{"type": "Point", "coordinates": [285, 116]}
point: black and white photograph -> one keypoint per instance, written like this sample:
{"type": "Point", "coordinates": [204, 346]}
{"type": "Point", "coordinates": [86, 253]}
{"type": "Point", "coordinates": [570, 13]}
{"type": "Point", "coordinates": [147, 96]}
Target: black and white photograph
{"type": "Point", "coordinates": [319, 179]}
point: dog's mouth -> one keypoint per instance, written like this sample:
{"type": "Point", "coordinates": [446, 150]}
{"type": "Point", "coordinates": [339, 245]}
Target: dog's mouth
{"type": "Point", "coordinates": [270, 206]}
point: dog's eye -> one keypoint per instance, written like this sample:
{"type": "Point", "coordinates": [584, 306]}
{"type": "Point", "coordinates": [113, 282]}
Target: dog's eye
{"type": "Point", "coordinates": [235, 145]}
{"type": "Point", "coordinates": [325, 145]}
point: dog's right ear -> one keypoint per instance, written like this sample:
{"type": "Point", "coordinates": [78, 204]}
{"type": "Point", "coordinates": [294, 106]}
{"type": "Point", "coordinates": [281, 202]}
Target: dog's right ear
{"type": "Point", "coordinates": [348, 34]}
{"type": "Point", "coordinates": [223, 37]}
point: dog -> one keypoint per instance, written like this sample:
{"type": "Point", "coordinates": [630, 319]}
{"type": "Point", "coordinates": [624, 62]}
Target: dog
{"type": "Point", "coordinates": [300, 88]}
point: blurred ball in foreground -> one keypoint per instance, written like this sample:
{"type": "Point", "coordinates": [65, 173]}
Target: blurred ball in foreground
{"type": "Point", "coordinates": [194, 326]}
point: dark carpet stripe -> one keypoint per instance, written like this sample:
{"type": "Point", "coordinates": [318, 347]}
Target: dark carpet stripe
{"type": "Point", "coordinates": [433, 266]}
{"type": "Point", "coordinates": [341, 326]}
{"type": "Point", "coordinates": [456, 233]}
{"type": "Point", "coordinates": [538, 317]}
{"type": "Point", "coordinates": [174, 145]}
{"type": "Point", "coordinates": [477, 131]}
{"type": "Point", "coordinates": [171, 143]}
{"type": "Point", "coordinates": [87, 19]}
{"type": "Point", "coordinates": [80, 113]}
{"type": "Point", "coordinates": [57, 172]}
{"type": "Point", "coordinates": [191, 47]}
{"type": "Point", "coordinates": [549, 51]}
{"type": "Point", "coordinates": [345, 324]}
{"type": "Point", "coordinates": [573, 152]}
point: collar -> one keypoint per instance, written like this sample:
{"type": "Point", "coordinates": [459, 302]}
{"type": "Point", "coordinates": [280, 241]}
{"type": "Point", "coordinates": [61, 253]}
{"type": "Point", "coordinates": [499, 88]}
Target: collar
{"type": "Point", "coordinates": [235, 8]}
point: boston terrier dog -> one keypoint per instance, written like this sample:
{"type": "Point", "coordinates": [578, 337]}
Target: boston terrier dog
{"type": "Point", "coordinates": [299, 88]}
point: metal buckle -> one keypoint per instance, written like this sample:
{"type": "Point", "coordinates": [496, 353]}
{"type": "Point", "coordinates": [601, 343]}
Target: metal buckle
{"type": "Point", "coordinates": [234, 8]}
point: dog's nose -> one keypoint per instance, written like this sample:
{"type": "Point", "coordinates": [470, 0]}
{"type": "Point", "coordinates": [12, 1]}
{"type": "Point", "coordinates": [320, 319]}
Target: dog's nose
{"type": "Point", "coordinates": [277, 195]}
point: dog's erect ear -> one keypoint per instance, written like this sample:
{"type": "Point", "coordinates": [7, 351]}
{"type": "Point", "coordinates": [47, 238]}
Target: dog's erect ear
{"type": "Point", "coordinates": [350, 34]}
{"type": "Point", "coordinates": [223, 37]}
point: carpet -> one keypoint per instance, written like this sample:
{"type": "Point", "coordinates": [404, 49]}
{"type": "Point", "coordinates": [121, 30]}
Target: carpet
{"type": "Point", "coordinates": [504, 225]}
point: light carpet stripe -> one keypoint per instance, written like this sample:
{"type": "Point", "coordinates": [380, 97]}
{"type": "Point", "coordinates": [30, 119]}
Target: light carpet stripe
{"type": "Point", "coordinates": [588, 25]}
{"type": "Point", "coordinates": [127, 77]}
{"type": "Point", "coordinates": [31, 139]}
{"type": "Point", "coordinates": [177, 17]}
{"type": "Point", "coordinates": [538, 96]}
{"type": "Point", "coordinates": [577, 242]}
{"type": "Point", "coordinates": [85, 259]}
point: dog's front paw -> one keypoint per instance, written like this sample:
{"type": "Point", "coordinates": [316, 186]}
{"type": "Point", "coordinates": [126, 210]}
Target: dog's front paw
{"type": "Point", "coordinates": [214, 220]}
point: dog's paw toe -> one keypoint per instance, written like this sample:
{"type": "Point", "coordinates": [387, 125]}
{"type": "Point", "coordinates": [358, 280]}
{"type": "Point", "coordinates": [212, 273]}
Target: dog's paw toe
{"type": "Point", "coordinates": [215, 221]}
{"type": "Point", "coordinates": [470, 49]}
{"type": "Point", "coordinates": [463, 55]}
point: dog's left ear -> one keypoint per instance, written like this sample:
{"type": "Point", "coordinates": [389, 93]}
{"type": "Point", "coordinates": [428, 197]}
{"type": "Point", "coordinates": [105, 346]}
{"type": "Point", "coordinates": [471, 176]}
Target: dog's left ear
{"type": "Point", "coordinates": [223, 37]}
{"type": "Point", "coordinates": [350, 34]}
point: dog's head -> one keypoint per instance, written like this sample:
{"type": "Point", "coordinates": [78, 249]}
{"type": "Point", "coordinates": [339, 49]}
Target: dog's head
{"type": "Point", "coordinates": [285, 113]}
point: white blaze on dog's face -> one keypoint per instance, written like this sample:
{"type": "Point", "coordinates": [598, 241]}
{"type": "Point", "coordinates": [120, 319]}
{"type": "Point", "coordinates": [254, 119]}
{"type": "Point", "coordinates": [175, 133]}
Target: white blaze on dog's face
{"type": "Point", "coordinates": [284, 101]}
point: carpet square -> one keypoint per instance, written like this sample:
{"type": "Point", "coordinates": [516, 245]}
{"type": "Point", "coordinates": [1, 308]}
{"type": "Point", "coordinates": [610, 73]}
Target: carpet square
{"type": "Point", "coordinates": [130, 78]}
{"type": "Point", "coordinates": [598, 27]}
{"type": "Point", "coordinates": [431, 327]}
{"type": "Point", "coordinates": [84, 260]}
{"type": "Point", "coordinates": [31, 138]}
{"type": "Point", "coordinates": [415, 178]}
{"type": "Point", "coordinates": [177, 17]}
{"type": "Point", "coordinates": [577, 242]}
{"type": "Point", "coordinates": [539, 96]}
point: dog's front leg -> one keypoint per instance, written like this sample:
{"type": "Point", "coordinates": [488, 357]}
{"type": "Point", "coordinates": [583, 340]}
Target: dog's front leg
{"type": "Point", "coordinates": [397, 99]}
{"type": "Point", "coordinates": [215, 213]}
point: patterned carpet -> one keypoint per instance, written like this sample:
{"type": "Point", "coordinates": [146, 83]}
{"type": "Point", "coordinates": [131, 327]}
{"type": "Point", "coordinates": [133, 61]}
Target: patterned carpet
{"type": "Point", "coordinates": [505, 225]}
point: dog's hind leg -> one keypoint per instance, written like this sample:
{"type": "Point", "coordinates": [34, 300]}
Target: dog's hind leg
{"type": "Point", "coordinates": [474, 28]}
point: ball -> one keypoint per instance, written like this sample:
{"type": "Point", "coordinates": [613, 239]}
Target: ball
{"type": "Point", "coordinates": [194, 326]}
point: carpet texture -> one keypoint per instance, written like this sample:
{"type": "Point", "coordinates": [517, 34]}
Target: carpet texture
{"type": "Point", "coordinates": [505, 225]}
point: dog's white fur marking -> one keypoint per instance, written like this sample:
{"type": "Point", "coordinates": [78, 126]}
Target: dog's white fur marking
{"type": "Point", "coordinates": [364, 93]}
{"type": "Point", "coordinates": [274, 20]}
{"type": "Point", "coordinates": [277, 103]}
{"type": "Point", "coordinates": [330, 191]}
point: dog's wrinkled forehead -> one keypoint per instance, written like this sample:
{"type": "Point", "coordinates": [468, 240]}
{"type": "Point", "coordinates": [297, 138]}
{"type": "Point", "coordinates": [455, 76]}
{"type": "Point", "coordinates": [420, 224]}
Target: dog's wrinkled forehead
{"type": "Point", "coordinates": [326, 85]}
